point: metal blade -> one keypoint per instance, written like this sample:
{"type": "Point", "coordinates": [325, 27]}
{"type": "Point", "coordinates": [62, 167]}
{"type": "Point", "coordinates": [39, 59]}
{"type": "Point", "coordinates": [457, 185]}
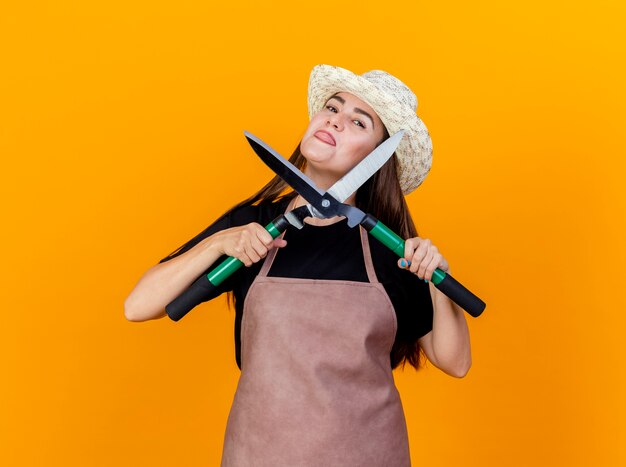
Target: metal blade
{"type": "Point", "coordinates": [286, 170]}
{"type": "Point", "coordinates": [351, 181]}
{"type": "Point", "coordinates": [296, 216]}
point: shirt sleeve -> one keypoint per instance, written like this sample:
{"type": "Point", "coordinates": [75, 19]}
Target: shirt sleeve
{"type": "Point", "coordinates": [415, 313]}
{"type": "Point", "coordinates": [220, 224]}
{"type": "Point", "coordinates": [232, 218]}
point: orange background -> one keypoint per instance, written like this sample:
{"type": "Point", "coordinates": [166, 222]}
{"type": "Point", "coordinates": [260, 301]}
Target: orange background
{"type": "Point", "coordinates": [121, 135]}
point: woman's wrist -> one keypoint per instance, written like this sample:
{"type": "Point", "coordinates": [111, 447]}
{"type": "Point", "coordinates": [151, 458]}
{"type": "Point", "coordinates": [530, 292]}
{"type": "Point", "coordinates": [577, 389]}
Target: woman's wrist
{"type": "Point", "coordinates": [212, 247]}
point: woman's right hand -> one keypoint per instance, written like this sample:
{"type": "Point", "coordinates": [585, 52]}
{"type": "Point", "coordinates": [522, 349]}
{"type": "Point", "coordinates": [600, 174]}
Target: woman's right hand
{"type": "Point", "coordinates": [163, 282]}
{"type": "Point", "coordinates": [248, 243]}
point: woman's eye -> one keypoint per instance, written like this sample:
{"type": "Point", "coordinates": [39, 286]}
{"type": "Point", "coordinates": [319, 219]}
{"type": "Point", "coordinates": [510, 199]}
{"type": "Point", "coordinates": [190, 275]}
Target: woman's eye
{"type": "Point", "coordinates": [359, 123]}
{"type": "Point", "coordinates": [331, 108]}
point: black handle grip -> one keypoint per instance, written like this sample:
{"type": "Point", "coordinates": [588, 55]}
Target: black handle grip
{"type": "Point", "coordinates": [197, 292]}
{"type": "Point", "coordinates": [463, 297]}
{"type": "Point", "coordinates": [202, 288]}
{"type": "Point", "coordinates": [443, 281]}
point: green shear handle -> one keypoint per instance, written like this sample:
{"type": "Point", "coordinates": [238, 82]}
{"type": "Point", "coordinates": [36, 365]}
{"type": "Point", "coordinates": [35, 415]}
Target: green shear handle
{"type": "Point", "coordinates": [443, 281]}
{"type": "Point", "coordinates": [202, 288]}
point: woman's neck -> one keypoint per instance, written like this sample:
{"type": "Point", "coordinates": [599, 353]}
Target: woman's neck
{"type": "Point", "coordinates": [323, 182]}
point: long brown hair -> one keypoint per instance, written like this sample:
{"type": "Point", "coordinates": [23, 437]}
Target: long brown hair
{"type": "Point", "coordinates": [382, 197]}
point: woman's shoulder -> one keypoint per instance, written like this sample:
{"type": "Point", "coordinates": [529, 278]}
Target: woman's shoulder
{"type": "Point", "coordinates": [262, 212]}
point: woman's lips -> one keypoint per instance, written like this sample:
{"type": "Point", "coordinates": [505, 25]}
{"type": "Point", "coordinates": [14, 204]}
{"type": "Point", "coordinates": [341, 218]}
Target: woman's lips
{"type": "Point", "coordinates": [325, 137]}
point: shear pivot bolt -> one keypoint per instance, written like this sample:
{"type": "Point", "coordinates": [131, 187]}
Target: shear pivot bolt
{"type": "Point", "coordinates": [325, 203]}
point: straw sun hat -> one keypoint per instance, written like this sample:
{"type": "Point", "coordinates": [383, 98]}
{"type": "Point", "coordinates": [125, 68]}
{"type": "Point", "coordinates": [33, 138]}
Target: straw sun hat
{"type": "Point", "coordinates": [393, 102]}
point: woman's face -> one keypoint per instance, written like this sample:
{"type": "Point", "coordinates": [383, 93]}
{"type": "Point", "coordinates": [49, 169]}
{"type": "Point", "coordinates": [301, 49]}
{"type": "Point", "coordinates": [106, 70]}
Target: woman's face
{"type": "Point", "coordinates": [341, 135]}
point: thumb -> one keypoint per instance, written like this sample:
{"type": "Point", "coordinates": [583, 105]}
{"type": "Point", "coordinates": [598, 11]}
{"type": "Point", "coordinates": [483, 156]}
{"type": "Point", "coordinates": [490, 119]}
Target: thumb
{"type": "Point", "coordinates": [404, 263]}
{"type": "Point", "coordinates": [279, 243]}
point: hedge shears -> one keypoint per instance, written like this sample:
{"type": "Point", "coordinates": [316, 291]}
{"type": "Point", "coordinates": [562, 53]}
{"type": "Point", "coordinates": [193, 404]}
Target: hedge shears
{"type": "Point", "coordinates": [324, 205]}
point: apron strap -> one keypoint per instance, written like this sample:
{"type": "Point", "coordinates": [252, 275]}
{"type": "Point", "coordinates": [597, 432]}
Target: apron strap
{"type": "Point", "coordinates": [269, 259]}
{"type": "Point", "coordinates": [367, 256]}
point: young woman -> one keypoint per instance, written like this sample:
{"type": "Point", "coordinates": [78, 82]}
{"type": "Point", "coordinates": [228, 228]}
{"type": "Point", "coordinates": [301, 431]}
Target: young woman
{"type": "Point", "coordinates": [323, 314]}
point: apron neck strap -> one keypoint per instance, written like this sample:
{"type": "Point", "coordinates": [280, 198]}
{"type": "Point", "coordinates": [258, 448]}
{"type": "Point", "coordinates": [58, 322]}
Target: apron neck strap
{"type": "Point", "coordinates": [269, 259]}
{"type": "Point", "coordinates": [367, 256]}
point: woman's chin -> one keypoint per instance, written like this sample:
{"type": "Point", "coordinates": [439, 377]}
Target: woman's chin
{"type": "Point", "coordinates": [315, 158]}
{"type": "Point", "coordinates": [318, 163]}
{"type": "Point", "coordinates": [316, 150]}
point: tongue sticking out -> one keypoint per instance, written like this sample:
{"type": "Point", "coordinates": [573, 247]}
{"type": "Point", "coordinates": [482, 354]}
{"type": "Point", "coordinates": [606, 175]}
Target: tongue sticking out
{"type": "Point", "coordinates": [325, 137]}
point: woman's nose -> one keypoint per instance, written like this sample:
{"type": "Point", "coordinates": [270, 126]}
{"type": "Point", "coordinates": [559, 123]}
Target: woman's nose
{"type": "Point", "coordinates": [336, 121]}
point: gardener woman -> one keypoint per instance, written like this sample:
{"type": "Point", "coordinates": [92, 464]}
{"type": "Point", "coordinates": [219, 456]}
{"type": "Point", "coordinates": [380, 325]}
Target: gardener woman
{"type": "Point", "coordinates": [324, 314]}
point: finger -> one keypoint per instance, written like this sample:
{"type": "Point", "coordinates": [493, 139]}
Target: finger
{"type": "Point", "coordinates": [280, 243]}
{"type": "Point", "coordinates": [252, 254]}
{"type": "Point", "coordinates": [434, 264]}
{"type": "Point", "coordinates": [238, 251]}
{"type": "Point", "coordinates": [410, 245]}
{"type": "Point", "coordinates": [242, 256]}
{"type": "Point", "coordinates": [403, 263]}
{"type": "Point", "coordinates": [419, 255]}
{"type": "Point", "coordinates": [444, 266]}
{"type": "Point", "coordinates": [421, 270]}
{"type": "Point", "coordinates": [256, 250]}
{"type": "Point", "coordinates": [263, 236]}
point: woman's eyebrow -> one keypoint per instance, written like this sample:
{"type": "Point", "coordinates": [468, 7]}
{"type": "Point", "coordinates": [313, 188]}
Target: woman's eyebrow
{"type": "Point", "coordinates": [356, 109]}
{"type": "Point", "coordinates": [340, 99]}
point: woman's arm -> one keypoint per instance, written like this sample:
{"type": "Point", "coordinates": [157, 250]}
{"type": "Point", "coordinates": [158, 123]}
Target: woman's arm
{"type": "Point", "coordinates": [163, 282]}
{"type": "Point", "coordinates": [447, 346]}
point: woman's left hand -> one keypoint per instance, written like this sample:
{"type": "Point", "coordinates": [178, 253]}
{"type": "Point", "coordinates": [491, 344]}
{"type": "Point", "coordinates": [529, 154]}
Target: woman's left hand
{"type": "Point", "coordinates": [423, 258]}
